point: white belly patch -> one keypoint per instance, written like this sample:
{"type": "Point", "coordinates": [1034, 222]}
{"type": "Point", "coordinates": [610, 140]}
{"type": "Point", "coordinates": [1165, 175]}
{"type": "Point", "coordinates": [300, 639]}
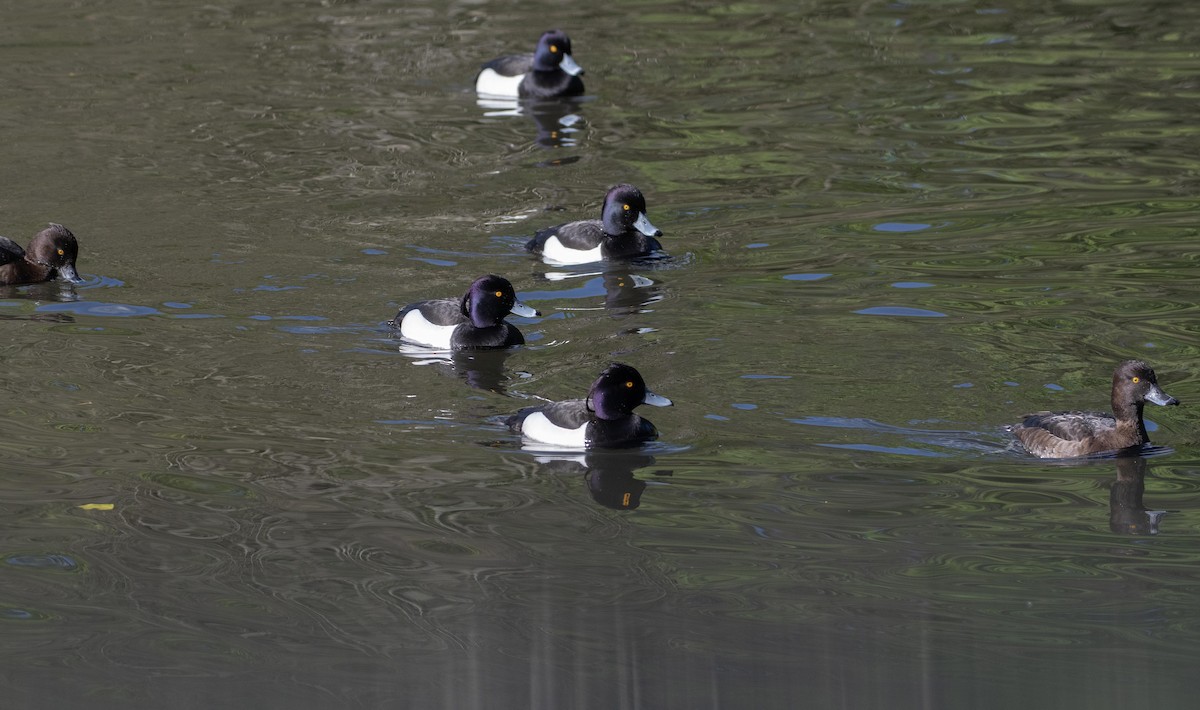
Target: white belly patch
{"type": "Point", "coordinates": [416, 328]}
{"type": "Point", "coordinates": [494, 84]}
{"type": "Point", "coordinates": [554, 251]}
{"type": "Point", "coordinates": [538, 428]}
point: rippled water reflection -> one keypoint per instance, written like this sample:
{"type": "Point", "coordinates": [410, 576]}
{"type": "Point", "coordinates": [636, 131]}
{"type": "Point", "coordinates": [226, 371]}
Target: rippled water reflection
{"type": "Point", "coordinates": [892, 229]}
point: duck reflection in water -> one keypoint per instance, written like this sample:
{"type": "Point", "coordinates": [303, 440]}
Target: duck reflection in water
{"type": "Point", "coordinates": [56, 318]}
{"type": "Point", "coordinates": [608, 475]}
{"type": "Point", "coordinates": [625, 292]}
{"type": "Point", "coordinates": [1127, 514]}
{"type": "Point", "coordinates": [557, 121]}
{"type": "Point", "coordinates": [629, 292]}
{"type": "Point", "coordinates": [481, 369]}
{"type": "Point", "coordinates": [46, 291]}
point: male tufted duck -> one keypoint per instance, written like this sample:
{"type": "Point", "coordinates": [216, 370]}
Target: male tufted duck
{"type": "Point", "coordinates": [623, 231]}
{"type": "Point", "coordinates": [605, 419]}
{"type": "Point", "coordinates": [1069, 434]}
{"type": "Point", "coordinates": [548, 73]}
{"type": "Point", "coordinates": [51, 255]}
{"type": "Point", "coordinates": [474, 322]}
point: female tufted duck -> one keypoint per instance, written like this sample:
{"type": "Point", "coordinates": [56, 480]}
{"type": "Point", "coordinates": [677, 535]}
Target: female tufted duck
{"type": "Point", "coordinates": [623, 231]}
{"type": "Point", "coordinates": [51, 255]}
{"type": "Point", "coordinates": [548, 73]}
{"type": "Point", "coordinates": [605, 419]}
{"type": "Point", "coordinates": [1069, 434]}
{"type": "Point", "coordinates": [474, 322]}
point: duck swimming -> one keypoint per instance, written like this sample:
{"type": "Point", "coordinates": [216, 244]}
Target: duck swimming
{"type": "Point", "coordinates": [51, 255]}
{"type": "Point", "coordinates": [623, 231]}
{"type": "Point", "coordinates": [550, 72]}
{"type": "Point", "coordinates": [604, 419]}
{"type": "Point", "coordinates": [473, 322]}
{"type": "Point", "coordinates": [1070, 434]}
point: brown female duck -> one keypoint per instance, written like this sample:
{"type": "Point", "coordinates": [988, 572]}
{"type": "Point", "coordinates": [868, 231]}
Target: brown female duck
{"type": "Point", "coordinates": [51, 255]}
{"type": "Point", "coordinates": [1060, 435]}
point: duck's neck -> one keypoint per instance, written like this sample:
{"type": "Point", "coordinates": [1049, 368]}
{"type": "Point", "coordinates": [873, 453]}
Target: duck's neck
{"type": "Point", "coordinates": [485, 326]}
{"type": "Point", "coordinates": [38, 262]}
{"type": "Point", "coordinates": [1129, 415]}
{"type": "Point", "coordinates": [482, 320]}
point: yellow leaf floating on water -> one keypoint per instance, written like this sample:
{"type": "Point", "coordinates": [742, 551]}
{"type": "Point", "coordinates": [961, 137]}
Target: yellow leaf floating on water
{"type": "Point", "coordinates": [96, 506]}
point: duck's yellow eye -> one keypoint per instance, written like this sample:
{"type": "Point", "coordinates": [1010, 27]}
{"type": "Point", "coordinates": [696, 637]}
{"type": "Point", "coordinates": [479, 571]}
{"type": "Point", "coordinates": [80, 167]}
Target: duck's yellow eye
{"type": "Point", "coordinates": [1136, 379]}
{"type": "Point", "coordinates": [625, 207]}
{"type": "Point", "coordinates": [629, 384]}
{"type": "Point", "coordinates": [61, 252]}
{"type": "Point", "coordinates": [554, 49]}
{"type": "Point", "coordinates": [499, 294]}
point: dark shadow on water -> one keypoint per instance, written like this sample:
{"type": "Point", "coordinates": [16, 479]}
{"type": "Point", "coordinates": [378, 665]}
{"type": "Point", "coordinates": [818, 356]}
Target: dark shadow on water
{"type": "Point", "coordinates": [623, 292]}
{"type": "Point", "coordinates": [47, 291]}
{"type": "Point", "coordinates": [56, 291]}
{"type": "Point", "coordinates": [43, 317]}
{"type": "Point", "coordinates": [481, 369]}
{"type": "Point", "coordinates": [608, 475]}
{"type": "Point", "coordinates": [557, 121]}
{"type": "Point", "coordinates": [1127, 514]}
{"type": "Point", "coordinates": [627, 291]}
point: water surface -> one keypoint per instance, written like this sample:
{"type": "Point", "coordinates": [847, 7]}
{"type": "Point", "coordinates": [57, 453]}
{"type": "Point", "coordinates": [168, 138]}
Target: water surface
{"type": "Point", "coordinates": [893, 228]}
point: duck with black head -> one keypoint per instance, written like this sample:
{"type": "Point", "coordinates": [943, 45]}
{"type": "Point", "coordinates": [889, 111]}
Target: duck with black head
{"type": "Point", "coordinates": [550, 72]}
{"type": "Point", "coordinates": [1060, 435]}
{"type": "Point", "coordinates": [473, 322]}
{"type": "Point", "coordinates": [604, 419]}
{"type": "Point", "coordinates": [51, 255]}
{"type": "Point", "coordinates": [622, 232]}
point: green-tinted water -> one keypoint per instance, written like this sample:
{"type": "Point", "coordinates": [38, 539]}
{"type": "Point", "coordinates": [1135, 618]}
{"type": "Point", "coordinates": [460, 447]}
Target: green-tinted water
{"type": "Point", "coordinates": [893, 229]}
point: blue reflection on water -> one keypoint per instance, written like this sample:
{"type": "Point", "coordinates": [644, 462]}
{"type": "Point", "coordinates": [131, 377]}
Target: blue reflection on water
{"type": "Point", "coordinates": [42, 561]}
{"type": "Point", "coordinates": [902, 450]}
{"type": "Point", "coordinates": [902, 311]}
{"type": "Point", "coordinates": [901, 227]}
{"type": "Point", "coordinates": [98, 308]}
